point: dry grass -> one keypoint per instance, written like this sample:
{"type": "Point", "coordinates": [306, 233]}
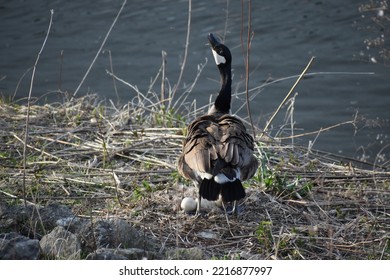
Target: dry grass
{"type": "Point", "coordinates": [104, 161]}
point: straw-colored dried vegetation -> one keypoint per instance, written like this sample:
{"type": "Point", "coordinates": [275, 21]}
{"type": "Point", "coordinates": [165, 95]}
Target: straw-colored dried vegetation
{"type": "Point", "coordinates": [108, 162]}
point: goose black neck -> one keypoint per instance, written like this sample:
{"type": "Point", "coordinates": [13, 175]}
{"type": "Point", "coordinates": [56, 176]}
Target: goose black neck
{"type": "Point", "coordinates": [223, 100]}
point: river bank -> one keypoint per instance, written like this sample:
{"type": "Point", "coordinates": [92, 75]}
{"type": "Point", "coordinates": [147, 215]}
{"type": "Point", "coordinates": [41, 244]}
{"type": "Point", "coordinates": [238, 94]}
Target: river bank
{"type": "Point", "coordinates": [104, 163]}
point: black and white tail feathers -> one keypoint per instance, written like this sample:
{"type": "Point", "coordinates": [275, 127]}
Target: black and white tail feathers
{"type": "Point", "coordinates": [229, 191]}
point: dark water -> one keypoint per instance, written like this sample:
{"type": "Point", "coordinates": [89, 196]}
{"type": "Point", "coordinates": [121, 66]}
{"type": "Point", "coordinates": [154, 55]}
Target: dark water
{"type": "Point", "coordinates": [286, 35]}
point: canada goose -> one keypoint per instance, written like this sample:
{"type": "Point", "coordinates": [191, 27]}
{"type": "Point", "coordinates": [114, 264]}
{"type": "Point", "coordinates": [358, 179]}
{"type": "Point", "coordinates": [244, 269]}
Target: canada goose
{"type": "Point", "coordinates": [218, 151]}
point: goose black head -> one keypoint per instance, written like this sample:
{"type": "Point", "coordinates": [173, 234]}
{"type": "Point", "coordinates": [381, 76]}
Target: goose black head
{"type": "Point", "coordinates": [221, 53]}
{"type": "Point", "coordinates": [223, 59]}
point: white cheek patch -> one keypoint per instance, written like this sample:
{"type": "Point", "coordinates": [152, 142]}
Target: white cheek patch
{"type": "Point", "coordinates": [218, 58]}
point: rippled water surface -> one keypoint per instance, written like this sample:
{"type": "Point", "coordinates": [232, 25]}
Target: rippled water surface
{"type": "Point", "coordinates": [286, 35]}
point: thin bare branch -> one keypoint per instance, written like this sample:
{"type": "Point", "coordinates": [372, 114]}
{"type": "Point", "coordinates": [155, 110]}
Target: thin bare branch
{"type": "Point", "coordinates": [28, 107]}
{"type": "Point", "coordinates": [248, 47]}
{"type": "Point", "coordinates": [99, 50]}
{"type": "Point", "coordinates": [287, 96]}
{"type": "Point", "coordinates": [185, 53]}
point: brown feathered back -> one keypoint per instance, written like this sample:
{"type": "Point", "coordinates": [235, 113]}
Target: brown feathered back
{"type": "Point", "coordinates": [214, 144]}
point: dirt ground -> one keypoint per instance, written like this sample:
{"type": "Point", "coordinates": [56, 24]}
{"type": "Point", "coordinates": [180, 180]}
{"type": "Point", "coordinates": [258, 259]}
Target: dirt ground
{"type": "Point", "coordinates": [107, 162]}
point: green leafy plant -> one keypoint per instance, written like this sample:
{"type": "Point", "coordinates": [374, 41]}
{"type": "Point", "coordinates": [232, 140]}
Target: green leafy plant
{"type": "Point", "coordinates": [142, 190]}
{"type": "Point", "coordinates": [264, 234]}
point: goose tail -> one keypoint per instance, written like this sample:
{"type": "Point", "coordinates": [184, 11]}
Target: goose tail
{"type": "Point", "coordinates": [230, 191]}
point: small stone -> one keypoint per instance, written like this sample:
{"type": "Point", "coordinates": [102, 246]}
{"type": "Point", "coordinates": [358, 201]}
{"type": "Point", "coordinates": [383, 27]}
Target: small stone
{"type": "Point", "coordinates": [14, 246]}
{"type": "Point", "coordinates": [52, 213]}
{"type": "Point", "coordinates": [105, 254]}
{"type": "Point", "coordinates": [185, 254]}
{"type": "Point", "coordinates": [208, 235]}
{"type": "Point", "coordinates": [113, 233]}
{"type": "Point", "coordinates": [122, 254]}
{"type": "Point", "coordinates": [61, 244]}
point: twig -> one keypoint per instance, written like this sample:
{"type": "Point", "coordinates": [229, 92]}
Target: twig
{"type": "Point", "coordinates": [376, 161]}
{"type": "Point", "coordinates": [268, 83]}
{"type": "Point", "coordinates": [36, 149]}
{"type": "Point", "coordinates": [17, 198]}
{"type": "Point", "coordinates": [113, 79]}
{"type": "Point", "coordinates": [135, 88]}
{"type": "Point", "coordinates": [226, 20]}
{"type": "Point", "coordinates": [60, 70]}
{"type": "Point", "coordinates": [183, 97]}
{"type": "Point", "coordinates": [163, 70]}
{"type": "Point", "coordinates": [19, 82]}
{"type": "Point", "coordinates": [99, 51]}
{"type": "Point", "coordinates": [315, 132]}
{"type": "Point", "coordinates": [248, 47]}
{"type": "Point", "coordinates": [185, 53]}
{"type": "Point", "coordinates": [287, 96]}
{"type": "Point", "coordinates": [117, 185]}
{"type": "Point", "coordinates": [28, 107]}
{"type": "Point", "coordinates": [242, 31]}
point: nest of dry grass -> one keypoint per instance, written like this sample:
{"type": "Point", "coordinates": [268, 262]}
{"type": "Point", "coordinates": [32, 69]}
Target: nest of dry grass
{"type": "Point", "coordinates": [103, 161]}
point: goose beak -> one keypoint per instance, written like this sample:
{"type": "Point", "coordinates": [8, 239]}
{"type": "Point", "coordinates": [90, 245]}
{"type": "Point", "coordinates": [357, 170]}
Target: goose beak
{"type": "Point", "coordinates": [214, 42]}
{"type": "Point", "coordinates": [216, 49]}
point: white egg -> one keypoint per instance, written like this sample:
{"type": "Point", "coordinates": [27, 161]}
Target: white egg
{"type": "Point", "coordinates": [188, 204]}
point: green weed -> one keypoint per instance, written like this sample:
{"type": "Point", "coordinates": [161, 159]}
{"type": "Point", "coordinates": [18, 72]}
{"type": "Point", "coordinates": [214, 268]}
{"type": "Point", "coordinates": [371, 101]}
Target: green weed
{"type": "Point", "coordinates": [142, 191]}
{"type": "Point", "coordinates": [264, 234]}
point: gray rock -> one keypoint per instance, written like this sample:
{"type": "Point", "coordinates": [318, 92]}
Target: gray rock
{"type": "Point", "coordinates": [31, 220]}
{"type": "Point", "coordinates": [14, 246]}
{"type": "Point", "coordinates": [105, 254]}
{"type": "Point", "coordinates": [73, 224]}
{"type": "Point", "coordinates": [250, 256]}
{"type": "Point", "coordinates": [185, 254]}
{"type": "Point", "coordinates": [139, 254]}
{"type": "Point", "coordinates": [61, 244]}
{"type": "Point", "coordinates": [122, 254]}
{"type": "Point", "coordinates": [114, 233]}
{"type": "Point", "coordinates": [15, 218]}
{"type": "Point", "coordinates": [71, 236]}
{"type": "Point", "coordinates": [51, 213]}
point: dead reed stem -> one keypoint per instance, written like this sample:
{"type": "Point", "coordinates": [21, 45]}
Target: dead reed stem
{"type": "Point", "coordinates": [29, 105]}
{"type": "Point", "coordinates": [99, 50]}
{"type": "Point", "coordinates": [248, 47]}
{"type": "Point", "coordinates": [163, 71]}
{"type": "Point", "coordinates": [185, 52]}
{"type": "Point", "coordinates": [287, 96]}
